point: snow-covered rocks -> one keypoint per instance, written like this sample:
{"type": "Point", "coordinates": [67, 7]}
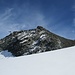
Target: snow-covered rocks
{"type": "Point", "coordinates": [32, 41]}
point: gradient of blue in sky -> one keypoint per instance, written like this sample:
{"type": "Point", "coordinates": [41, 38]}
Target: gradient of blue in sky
{"type": "Point", "coordinates": [57, 16]}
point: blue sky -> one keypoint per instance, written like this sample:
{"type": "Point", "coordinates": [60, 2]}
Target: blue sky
{"type": "Point", "coordinates": [57, 16]}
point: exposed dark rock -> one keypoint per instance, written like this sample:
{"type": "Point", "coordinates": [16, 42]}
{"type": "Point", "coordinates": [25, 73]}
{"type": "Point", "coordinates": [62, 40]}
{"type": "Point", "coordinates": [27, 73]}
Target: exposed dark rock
{"type": "Point", "coordinates": [32, 41]}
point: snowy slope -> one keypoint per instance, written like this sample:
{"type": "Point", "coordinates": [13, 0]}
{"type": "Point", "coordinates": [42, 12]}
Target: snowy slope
{"type": "Point", "coordinates": [60, 62]}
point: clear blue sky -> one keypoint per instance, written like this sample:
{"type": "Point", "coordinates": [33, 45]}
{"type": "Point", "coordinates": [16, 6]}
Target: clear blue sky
{"type": "Point", "coordinates": [57, 16]}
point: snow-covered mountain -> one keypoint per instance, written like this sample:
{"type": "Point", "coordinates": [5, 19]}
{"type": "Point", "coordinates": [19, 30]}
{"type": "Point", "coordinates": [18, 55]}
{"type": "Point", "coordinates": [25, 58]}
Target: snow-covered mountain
{"type": "Point", "coordinates": [26, 42]}
{"type": "Point", "coordinates": [59, 62]}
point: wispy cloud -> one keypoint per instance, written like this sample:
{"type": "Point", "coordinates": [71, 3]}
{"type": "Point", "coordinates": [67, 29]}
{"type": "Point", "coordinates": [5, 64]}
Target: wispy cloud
{"type": "Point", "coordinates": [5, 26]}
{"type": "Point", "coordinates": [28, 16]}
{"type": "Point", "coordinates": [6, 14]}
{"type": "Point", "coordinates": [73, 9]}
{"type": "Point", "coordinates": [17, 19]}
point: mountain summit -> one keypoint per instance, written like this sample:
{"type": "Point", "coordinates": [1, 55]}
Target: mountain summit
{"type": "Point", "coordinates": [32, 41]}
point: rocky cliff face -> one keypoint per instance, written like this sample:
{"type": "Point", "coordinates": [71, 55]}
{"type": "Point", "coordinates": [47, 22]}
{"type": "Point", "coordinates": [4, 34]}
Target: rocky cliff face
{"type": "Point", "coordinates": [32, 41]}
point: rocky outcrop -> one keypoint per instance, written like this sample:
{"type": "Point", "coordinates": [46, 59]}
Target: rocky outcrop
{"type": "Point", "coordinates": [32, 41]}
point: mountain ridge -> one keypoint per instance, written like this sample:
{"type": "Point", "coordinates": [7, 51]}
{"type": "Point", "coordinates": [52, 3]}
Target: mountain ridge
{"type": "Point", "coordinates": [32, 41]}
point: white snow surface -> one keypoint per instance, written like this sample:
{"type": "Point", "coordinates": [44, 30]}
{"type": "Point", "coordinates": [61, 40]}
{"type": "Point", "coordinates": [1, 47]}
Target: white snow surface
{"type": "Point", "coordinates": [34, 42]}
{"type": "Point", "coordinates": [24, 41]}
{"type": "Point", "coordinates": [59, 62]}
{"type": "Point", "coordinates": [43, 37]}
{"type": "Point", "coordinates": [20, 35]}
